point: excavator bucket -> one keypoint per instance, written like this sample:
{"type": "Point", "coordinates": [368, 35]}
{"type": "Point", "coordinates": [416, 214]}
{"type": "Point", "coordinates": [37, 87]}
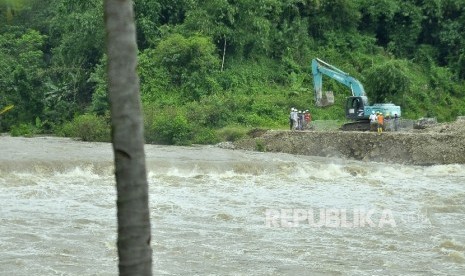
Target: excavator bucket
{"type": "Point", "coordinates": [326, 99]}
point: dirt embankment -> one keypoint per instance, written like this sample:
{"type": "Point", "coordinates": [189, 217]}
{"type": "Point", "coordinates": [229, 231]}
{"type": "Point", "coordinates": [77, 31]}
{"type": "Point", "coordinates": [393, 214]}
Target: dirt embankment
{"type": "Point", "coordinates": [436, 144]}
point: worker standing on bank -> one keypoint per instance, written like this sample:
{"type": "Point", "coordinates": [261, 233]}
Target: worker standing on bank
{"type": "Point", "coordinates": [373, 121]}
{"type": "Point", "coordinates": [380, 122]}
{"type": "Point", "coordinates": [300, 121]}
{"type": "Point", "coordinates": [396, 122]}
{"type": "Point", "coordinates": [294, 119]}
{"type": "Point", "coordinates": [291, 119]}
{"type": "Point", "coordinates": [307, 119]}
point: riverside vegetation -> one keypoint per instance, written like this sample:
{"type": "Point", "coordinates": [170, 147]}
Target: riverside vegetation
{"type": "Point", "coordinates": [212, 71]}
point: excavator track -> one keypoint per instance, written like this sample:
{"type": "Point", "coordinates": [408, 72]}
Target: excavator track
{"type": "Point", "coordinates": [362, 125]}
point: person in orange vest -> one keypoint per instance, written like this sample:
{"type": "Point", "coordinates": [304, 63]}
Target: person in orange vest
{"type": "Point", "coordinates": [380, 122]}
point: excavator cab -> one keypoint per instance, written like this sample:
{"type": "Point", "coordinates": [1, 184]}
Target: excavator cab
{"type": "Point", "coordinates": [355, 107]}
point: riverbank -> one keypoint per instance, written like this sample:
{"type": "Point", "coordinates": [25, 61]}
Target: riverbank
{"type": "Point", "coordinates": [435, 144]}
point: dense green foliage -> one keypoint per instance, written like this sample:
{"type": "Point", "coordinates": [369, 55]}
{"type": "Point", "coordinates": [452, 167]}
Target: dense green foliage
{"type": "Point", "coordinates": [211, 67]}
{"type": "Point", "coordinates": [88, 127]}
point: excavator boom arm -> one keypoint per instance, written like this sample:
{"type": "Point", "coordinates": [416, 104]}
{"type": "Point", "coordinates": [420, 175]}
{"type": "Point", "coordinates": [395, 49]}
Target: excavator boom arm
{"type": "Point", "coordinates": [320, 68]}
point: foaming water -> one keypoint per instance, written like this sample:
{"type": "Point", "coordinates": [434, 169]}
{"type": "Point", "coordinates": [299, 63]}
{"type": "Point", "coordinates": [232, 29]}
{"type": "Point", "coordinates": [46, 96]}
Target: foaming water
{"type": "Point", "coordinates": [223, 212]}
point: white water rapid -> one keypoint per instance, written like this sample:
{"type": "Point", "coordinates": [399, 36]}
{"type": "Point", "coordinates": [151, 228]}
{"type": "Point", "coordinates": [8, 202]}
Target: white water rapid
{"type": "Point", "coordinates": [229, 212]}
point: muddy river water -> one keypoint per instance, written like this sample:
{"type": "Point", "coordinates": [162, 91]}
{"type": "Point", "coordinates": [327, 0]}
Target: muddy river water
{"type": "Point", "coordinates": [229, 212]}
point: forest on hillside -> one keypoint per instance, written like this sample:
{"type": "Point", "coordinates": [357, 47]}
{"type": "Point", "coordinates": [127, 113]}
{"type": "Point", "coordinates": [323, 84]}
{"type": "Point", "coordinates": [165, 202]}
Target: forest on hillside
{"type": "Point", "coordinates": [210, 69]}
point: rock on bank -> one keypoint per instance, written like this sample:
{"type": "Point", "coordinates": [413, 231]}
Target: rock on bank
{"type": "Point", "coordinates": [419, 148]}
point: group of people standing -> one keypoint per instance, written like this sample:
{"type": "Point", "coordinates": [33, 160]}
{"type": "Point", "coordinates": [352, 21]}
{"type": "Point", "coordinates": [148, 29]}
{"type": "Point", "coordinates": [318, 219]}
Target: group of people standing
{"type": "Point", "coordinates": [379, 123]}
{"type": "Point", "coordinates": [299, 120]}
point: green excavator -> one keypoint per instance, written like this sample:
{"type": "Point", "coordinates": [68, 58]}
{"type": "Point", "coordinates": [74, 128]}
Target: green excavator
{"type": "Point", "coordinates": [357, 108]}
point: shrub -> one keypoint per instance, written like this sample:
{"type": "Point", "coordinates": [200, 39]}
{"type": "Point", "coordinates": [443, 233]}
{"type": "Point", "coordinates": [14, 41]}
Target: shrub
{"type": "Point", "coordinates": [232, 134]}
{"type": "Point", "coordinates": [88, 127]}
{"type": "Point", "coordinates": [26, 130]}
{"type": "Point", "coordinates": [209, 112]}
{"type": "Point", "coordinates": [205, 136]}
{"type": "Point", "coordinates": [170, 129]}
{"type": "Point", "coordinates": [260, 145]}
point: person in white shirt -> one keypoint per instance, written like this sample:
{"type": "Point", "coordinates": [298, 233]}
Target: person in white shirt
{"type": "Point", "coordinates": [373, 121]}
{"type": "Point", "coordinates": [295, 118]}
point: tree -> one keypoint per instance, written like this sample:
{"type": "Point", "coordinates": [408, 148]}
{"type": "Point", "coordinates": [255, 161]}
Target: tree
{"type": "Point", "coordinates": [387, 82]}
{"type": "Point", "coordinates": [9, 7]}
{"type": "Point", "coordinates": [76, 37]}
{"type": "Point", "coordinates": [21, 74]}
{"type": "Point", "coordinates": [190, 63]}
{"type": "Point", "coordinates": [134, 251]}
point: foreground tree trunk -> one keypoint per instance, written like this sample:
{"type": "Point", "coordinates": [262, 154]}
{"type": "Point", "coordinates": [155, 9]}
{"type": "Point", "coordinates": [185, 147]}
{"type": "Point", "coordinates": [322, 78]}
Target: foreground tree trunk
{"type": "Point", "coordinates": [134, 251]}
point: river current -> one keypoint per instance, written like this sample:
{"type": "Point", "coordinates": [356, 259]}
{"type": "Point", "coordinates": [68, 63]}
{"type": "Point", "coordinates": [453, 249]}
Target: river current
{"type": "Point", "coordinates": [229, 212]}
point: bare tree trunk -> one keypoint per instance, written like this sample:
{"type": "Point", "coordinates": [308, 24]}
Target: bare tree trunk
{"type": "Point", "coordinates": [134, 251]}
{"type": "Point", "coordinates": [224, 54]}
